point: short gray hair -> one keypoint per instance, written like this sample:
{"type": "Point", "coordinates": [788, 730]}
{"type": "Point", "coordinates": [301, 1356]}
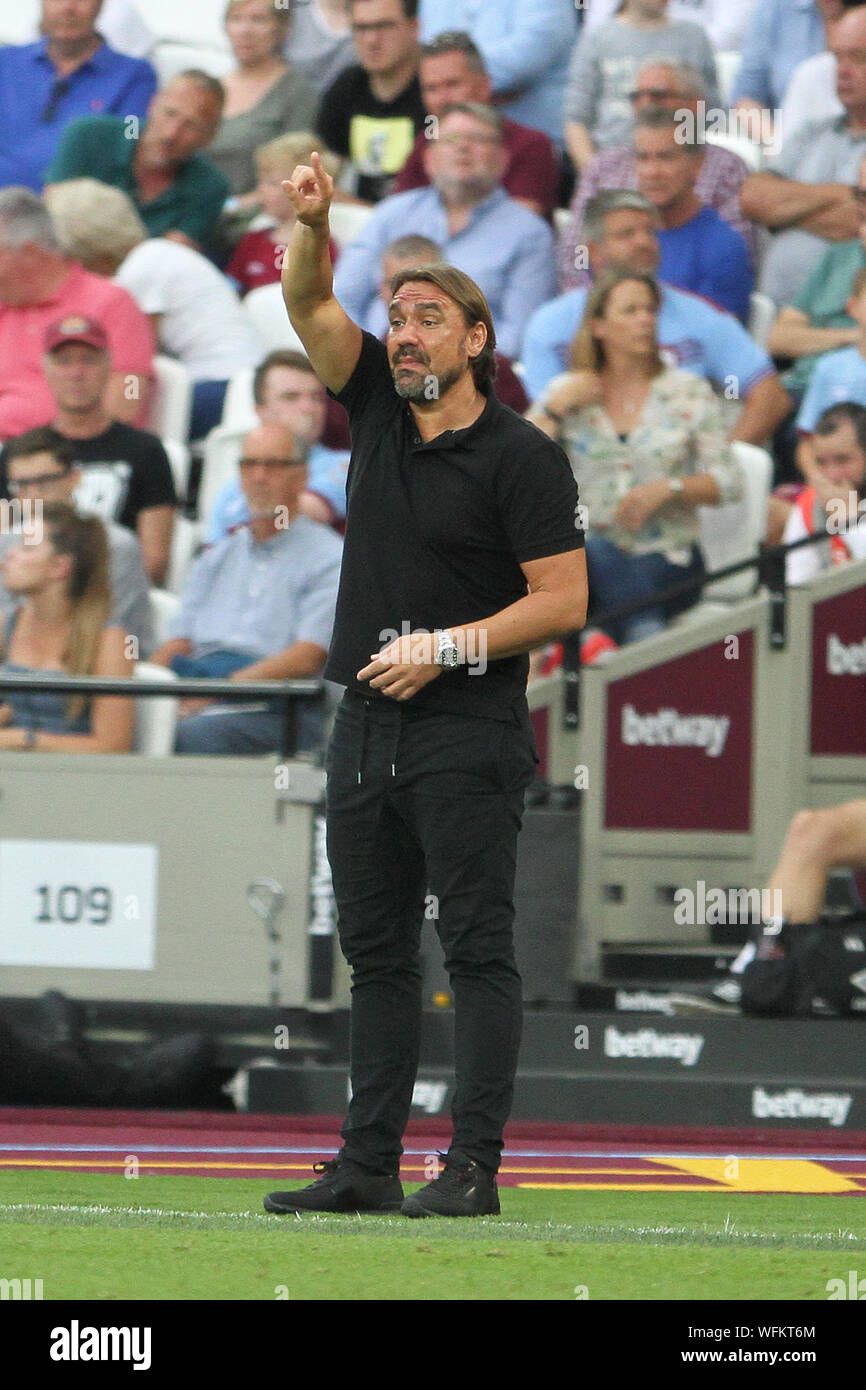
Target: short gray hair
{"type": "Point", "coordinates": [455, 41]}
{"type": "Point", "coordinates": [423, 248]}
{"type": "Point", "coordinates": [488, 115]}
{"type": "Point", "coordinates": [93, 220]}
{"type": "Point", "coordinates": [24, 218]}
{"type": "Point", "coordinates": [612, 200]}
{"type": "Point", "coordinates": [691, 80]}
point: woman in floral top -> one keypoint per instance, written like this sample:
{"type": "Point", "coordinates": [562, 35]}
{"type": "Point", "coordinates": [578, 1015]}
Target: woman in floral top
{"type": "Point", "coordinates": [647, 445]}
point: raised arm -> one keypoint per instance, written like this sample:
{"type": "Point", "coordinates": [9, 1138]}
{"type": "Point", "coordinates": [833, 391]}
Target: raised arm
{"type": "Point", "coordinates": [331, 339]}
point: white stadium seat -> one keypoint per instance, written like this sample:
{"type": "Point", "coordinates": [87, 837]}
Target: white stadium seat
{"type": "Point", "coordinates": [735, 532]}
{"type": "Point", "coordinates": [762, 316]}
{"type": "Point", "coordinates": [171, 403]}
{"type": "Point", "coordinates": [347, 220]}
{"type": "Point", "coordinates": [156, 719]}
{"type": "Point", "coordinates": [185, 540]}
{"type": "Point", "coordinates": [19, 21]}
{"type": "Point", "coordinates": [163, 609]}
{"type": "Point", "coordinates": [222, 451]}
{"type": "Point", "coordinates": [192, 22]}
{"type": "Point", "coordinates": [563, 218]}
{"type": "Point", "coordinates": [178, 457]}
{"type": "Point", "coordinates": [239, 407]}
{"type": "Point", "coordinates": [268, 316]}
{"type": "Point", "coordinates": [727, 67]}
{"type": "Point", "coordinates": [749, 151]}
{"type": "Point", "coordinates": [170, 58]}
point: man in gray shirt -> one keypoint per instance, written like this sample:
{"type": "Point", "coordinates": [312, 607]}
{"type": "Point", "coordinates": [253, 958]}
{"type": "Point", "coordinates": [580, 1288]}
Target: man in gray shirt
{"type": "Point", "coordinates": [810, 194]}
{"type": "Point", "coordinates": [40, 467]}
{"type": "Point", "coordinates": [258, 605]}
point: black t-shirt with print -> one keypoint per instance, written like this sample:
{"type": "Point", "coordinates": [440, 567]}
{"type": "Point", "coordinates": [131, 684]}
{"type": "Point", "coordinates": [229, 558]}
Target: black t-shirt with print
{"type": "Point", "coordinates": [123, 471]}
{"type": "Point", "coordinates": [436, 533]}
{"type": "Point", "coordinates": [377, 136]}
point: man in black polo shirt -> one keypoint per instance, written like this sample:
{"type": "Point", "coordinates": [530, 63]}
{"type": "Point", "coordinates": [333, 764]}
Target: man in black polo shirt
{"type": "Point", "coordinates": [462, 553]}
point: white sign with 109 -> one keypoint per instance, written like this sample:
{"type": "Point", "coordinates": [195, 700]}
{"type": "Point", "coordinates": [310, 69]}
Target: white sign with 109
{"type": "Point", "coordinates": [71, 903]}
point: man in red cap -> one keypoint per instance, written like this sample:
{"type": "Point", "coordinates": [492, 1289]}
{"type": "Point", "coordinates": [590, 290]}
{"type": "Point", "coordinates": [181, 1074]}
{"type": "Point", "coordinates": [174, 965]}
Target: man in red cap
{"type": "Point", "coordinates": [126, 477]}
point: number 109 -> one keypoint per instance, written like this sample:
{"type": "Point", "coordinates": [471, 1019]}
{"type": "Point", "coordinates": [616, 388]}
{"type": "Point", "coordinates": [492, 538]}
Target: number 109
{"type": "Point", "coordinates": [69, 903]}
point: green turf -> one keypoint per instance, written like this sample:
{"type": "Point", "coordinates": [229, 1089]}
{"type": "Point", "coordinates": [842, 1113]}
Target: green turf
{"type": "Point", "coordinates": [97, 1236]}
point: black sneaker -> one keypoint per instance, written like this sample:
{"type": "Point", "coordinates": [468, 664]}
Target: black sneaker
{"type": "Point", "coordinates": [343, 1186]}
{"type": "Point", "coordinates": [463, 1189]}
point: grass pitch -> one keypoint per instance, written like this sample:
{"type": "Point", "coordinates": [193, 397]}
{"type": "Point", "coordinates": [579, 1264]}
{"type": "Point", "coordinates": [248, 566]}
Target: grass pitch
{"type": "Point", "coordinates": [105, 1237]}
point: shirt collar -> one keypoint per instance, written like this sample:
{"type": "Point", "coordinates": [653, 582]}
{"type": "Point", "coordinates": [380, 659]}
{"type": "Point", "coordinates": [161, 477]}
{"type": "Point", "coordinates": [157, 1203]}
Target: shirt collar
{"type": "Point", "coordinates": [271, 542]}
{"type": "Point", "coordinates": [96, 63]}
{"type": "Point", "coordinates": [453, 439]}
{"type": "Point", "coordinates": [491, 201]}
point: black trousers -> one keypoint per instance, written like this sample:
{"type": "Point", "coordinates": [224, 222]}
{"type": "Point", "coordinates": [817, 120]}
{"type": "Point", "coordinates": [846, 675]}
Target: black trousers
{"type": "Point", "coordinates": [423, 812]}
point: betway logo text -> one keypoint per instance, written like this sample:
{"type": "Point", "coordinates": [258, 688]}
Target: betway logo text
{"type": "Point", "coordinates": [670, 729]}
{"type": "Point", "coordinates": [845, 661]}
{"type": "Point", "coordinates": [647, 1043]}
{"type": "Point", "coordinates": [798, 1105]}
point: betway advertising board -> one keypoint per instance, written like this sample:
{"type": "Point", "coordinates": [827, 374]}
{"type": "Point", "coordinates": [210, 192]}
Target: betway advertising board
{"type": "Point", "coordinates": [679, 742]}
{"type": "Point", "coordinates": [838, 726]}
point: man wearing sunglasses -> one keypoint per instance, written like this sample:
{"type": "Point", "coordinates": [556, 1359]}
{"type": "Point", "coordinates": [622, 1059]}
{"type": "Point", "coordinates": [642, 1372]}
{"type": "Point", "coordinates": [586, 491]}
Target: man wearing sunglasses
{"type": "Point", "coordinates": [674, 86]}
{"type": "Point", "coordinates": [70, 72]}
{"type": "Point", "coordinates": [258, 605]}
{"type": "Point", "coordinates": [605, 64]}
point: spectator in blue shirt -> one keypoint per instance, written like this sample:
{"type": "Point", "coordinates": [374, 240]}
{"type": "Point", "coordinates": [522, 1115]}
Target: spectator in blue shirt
{"type": "Point", "coordinates": [287, 392]}
{"type": "Point", "coordinates": [526, 46]}
{"type": "Point", "coordinates": [257, 606]}
{"type": "Point", "coordinates": [620, 230]}
{"type": "Point", "coordinates": [508, 250]}
{"type": "Point", "coordinates": [701, 252]}
{"type": "Point", "coordinates": [782, 34]}
{"type": "Point", "coordinates": [70, 72]}
{"type": "Point", "coordinates": [838, 376]}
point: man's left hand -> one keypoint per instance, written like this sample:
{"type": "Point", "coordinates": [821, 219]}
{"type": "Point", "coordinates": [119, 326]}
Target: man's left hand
{"type": "Point", "coordinates": [404, 667]}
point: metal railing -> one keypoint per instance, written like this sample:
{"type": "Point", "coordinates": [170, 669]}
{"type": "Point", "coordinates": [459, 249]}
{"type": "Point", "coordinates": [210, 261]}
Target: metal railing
{"type": "Point", "coordinates": [290, 692]}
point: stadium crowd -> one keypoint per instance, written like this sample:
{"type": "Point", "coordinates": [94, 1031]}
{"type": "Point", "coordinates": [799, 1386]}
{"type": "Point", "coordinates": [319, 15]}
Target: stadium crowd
{"type": "Point", "coordinates": [664, 202]}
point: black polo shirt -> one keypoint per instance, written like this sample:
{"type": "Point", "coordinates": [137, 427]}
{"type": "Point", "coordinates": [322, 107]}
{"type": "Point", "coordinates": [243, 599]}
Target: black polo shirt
{"type": "Point", "coordinates": [436, 533]}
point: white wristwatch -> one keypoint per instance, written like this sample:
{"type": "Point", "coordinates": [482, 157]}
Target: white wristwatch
{"type": "Point", "coordinates": [676, 485]}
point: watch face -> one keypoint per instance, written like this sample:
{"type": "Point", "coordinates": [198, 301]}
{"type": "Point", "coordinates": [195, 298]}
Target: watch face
{"type": "Point", "coordinates": [448, 656]}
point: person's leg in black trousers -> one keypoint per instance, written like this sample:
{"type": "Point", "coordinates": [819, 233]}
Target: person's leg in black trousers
{"type": "Point", "coordinates": [465, 803]}
{"type": "Point", "coordinates": [379, 881]}
{"type": "Point", "coordinates": [413, 802]}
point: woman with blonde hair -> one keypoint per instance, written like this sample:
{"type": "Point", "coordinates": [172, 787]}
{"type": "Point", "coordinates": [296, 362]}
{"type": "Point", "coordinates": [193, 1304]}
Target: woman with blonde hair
{"type": "Point", "coordinates": [647, 445]}
{"type": "Point", "coordinates": [264, 96]}
{"type": "Point", "coordinates": [61, 626]}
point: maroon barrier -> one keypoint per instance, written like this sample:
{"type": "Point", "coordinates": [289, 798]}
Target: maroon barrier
{"type": "Point", "coordinates": [679, 743]}
{"type": "Point", "coordinates": [838, 669]}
